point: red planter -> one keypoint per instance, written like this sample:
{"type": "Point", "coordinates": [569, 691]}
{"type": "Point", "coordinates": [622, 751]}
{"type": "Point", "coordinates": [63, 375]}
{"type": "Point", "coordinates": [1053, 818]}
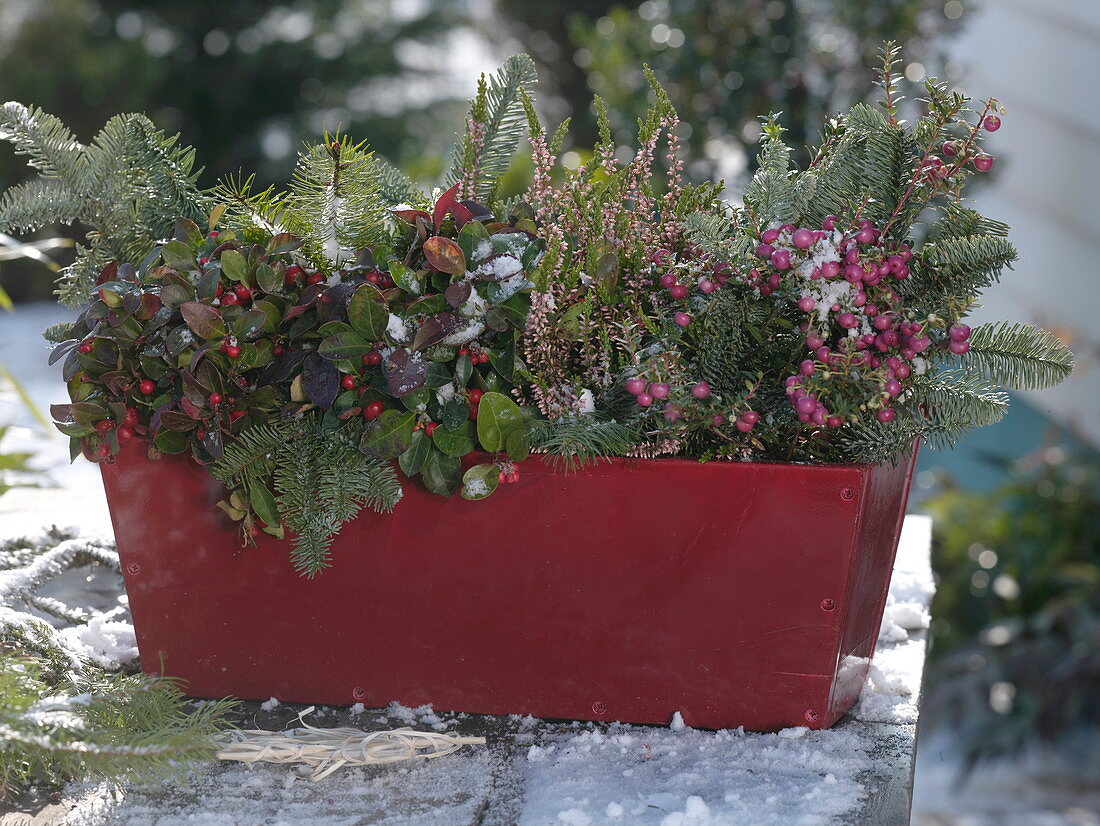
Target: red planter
{"type": "Point", "coordinates": [737, 594]}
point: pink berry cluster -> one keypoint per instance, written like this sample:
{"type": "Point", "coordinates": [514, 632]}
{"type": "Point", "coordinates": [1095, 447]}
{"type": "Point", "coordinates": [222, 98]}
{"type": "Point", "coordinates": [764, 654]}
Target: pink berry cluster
{"type": "Point", "coordinates": [677, 284]}
{"type": "Point", "coordinates": [862, 340]}
{"type": "Point", "coordinates": [647, 394]}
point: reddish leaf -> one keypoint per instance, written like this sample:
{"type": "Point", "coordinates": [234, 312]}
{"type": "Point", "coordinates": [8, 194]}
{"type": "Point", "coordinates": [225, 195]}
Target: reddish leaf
{"type": "Point", "coordinates": [405, 372]}
{"type": "Point", "coordinates": [108, 273]}
{"type": "Point", "coordinates": [204, 320]}
{"type": "Point", "coordinates": [410, 215]}
{"type": "Point", "coordinates": [458, 293]}
{"type": "Point", "coordinates": [190, 408]}
{"type": "Point", "coordinates": [445, 255]}
{"type": "Point", "coordinates": [433, 330]}
{"type": "Point", "coordinates": [444, 205]}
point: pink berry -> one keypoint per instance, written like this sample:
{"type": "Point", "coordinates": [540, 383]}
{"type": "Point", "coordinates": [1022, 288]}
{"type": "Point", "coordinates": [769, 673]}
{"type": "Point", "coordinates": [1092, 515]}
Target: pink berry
{"type": "Point", "coordinates": [847, 321]}
{"type": "Point", "coordinates": [707, 286]}
{"type": "Point", "coordinates": [950, 148]}
{"type": "Point", "coordinates": [814, 341]}
{"type": "Point", "coordinates": [959, 348]}
{"type": "Point", "coordinates": [659, 390]}
{"type": "Point", "coordinates": [718, 419]}
{"type": "Point", "coordinates": [806, 303]}
{"type": "Point", "coordinates": [806, 368]}
{"type": "Point", "coordinates": [829, 223]}
{"type": "Point", "coordinates": [958, 332]}
{"type": "Point", "coordinates": [885, 415]}
{"type": "Point", "coordinates": [802, 238]}
{"type": "Point", "coordinates": [701, 390]}
{"type": "Point", "coordinates": [750, 416]}
{"type": "Point", "coordinates": [644, 399]}
{"type": "Point", "coordinates": [668, 279]}
{"type": "Point", "coordinates": [830, 269]}
{"type": "Point", "coordinates": [682, 319]}
{"type": "Point", "coordinates": [866, 236]}
{"type": "Point", "coordinates": [781, 259]}
{"type": "Point", "coordinates": [805, 405]}
{"type": "Point", "coordinates": [661, 256]}
{"type": "Point", "coordinates": [991, 123]}
{"type": "Point", "coordinates": [835, 421]}
{"type": "Point", "coordinates": [678, 291]}
{"type": "Point", "coordinates": [893, 387]}
{"type": "Point", "coordinates": [769, 236]}
{"type": "Point", "coordinates": [983, 162]}
{"type": "Point", "coordinates": [743, 426]}
{"type": "Point", "coordinates": [635, 386]}
{"type": "Point", "coordinates": [672, 413]}
{"type": "Point", "coordinates": [765, 250]}
{"type": "Point", "coordinates": [853, 273]}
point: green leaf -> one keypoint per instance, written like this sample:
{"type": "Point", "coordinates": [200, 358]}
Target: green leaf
{"type": "Point", "coordinates": [250, 324]}
{"type": "Point", "coordinates": [234, 265]}
{"type": "Point", "coordinates": [283, 242]}
{"type": "Point", "coordinates": [517, 445]}
{"type": "Point", "coordinates": [390, 436]}
{"type": "Point", "coordinates": [267, 279]}
{"type": "Point", "coordinates": [368, 313]}
{"type": "Point", "coordinates": [497, 417]}
{"type": "Point", "coordinates": [471, 237]}
{"type": "Point", "coordinates": [263, 502]}
{"type": "Point", "coordinates": [454, 413]}
{"type": "Point", "coordinates": [412, 460]}
{"type": "Point", "coordinates": [457, 442]}
{"type": "Point", "coordinates": [405, 278]}
{"type": "Point", "coordinates": [204, 320]}
{"type": "Point", "coordinates": [442, 474]}
{"type": "Point", "coordinates": [344, 346]}
{"type": "Point", "coordinates": [170, 441]}
{"type": "Point", "coordinates": [188, 232]}
{"type": "Point", "coordinates": [177, 254]}
{"type": "Point", "coordinates": [480, 481]}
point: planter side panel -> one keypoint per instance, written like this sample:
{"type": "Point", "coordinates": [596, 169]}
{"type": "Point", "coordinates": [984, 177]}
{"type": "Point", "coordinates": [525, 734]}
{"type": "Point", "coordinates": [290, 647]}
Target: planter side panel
{"type": "Point", "coordinates": [882, 513]}
{"type": "Point", "coordinates": [626, 591]}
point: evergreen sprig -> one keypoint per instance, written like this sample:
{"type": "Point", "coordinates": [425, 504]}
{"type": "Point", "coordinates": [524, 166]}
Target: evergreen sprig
{"type": "Point", "coordinates": [1018, 356]}
{"type": "Point", "coordinates": [497, 115]}
{"type": "Point", "coordinates": [575, 441]}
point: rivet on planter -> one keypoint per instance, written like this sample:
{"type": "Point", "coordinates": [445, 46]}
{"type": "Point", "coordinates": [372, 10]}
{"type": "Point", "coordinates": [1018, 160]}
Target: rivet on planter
{"type": "Point", "coordinates": [599, 707]}
{"type": "Point", "coordinates": [133, 569]}
{"type": "Point", "coordinates": [847, 493]}
{"type": "Point", "coordinates": [359, 693]}
{"type": "Point", "coordinates": [810, 715]}
{"type": "Point", "coordinates": [828, 605]}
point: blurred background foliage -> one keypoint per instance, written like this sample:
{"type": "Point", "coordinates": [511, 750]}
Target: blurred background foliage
{"type": "Point", "coordinates": [246, 82]}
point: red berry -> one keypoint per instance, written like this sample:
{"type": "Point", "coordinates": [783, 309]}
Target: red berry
{"type": "Point", "coordinates": [215, 398]}
{"type": "Point", "coordinates": [349, 382]}
{"type": "Point", "coordinates": [277, 350]}
{"type": "Point", "coordinates": [236, 414]}
{"type": "Point", "coordinates": [484, 358]}
{"type": "Point", "coordinates": [430, 427]}
{"type": "Point", "coordinates": [85, 347]}
{"type": "Point", "coordinates": [204, 260]}
{"type": "Point", "coordinates": [230, 299]}
{"type": "Point", "coordinates": [233, 351]}
{"type": "Point", "coordinates": [104, 426]}
{"type": "Point", "coordinates": [131, 417]}
{"type": "Point", "coordinates": [242, 292]}
{"type": "Point", "coordinates": [475, 396]}
{"type": "Point", "coordinates": [464, 351]}
{"type": "Point", "coordinates": [146, 387]}
{"type": "Point", "coordinates": [513, 476]}
{"type": "Point", "coordinates": [124, 434]}
{"type": "Point", "coordinates": [886, 415]}
{"type": "Point", "coordinates": [315, 278]}
{"type": "Point", "coordinates": [292, 274]}
{"type": "Point", "coordinates": [373, 411]}
{"type": "Point", "coordinates": [502, 478]}
{"type": "Point", "coordinates": [991, 123]}
{"type": "Point", "coordinates": [372, 359]}
{"type": "Point", "coordinates": [473, 412]}
{"type": "Point", "coordinates": [212, 234]}
{"type": "Point", "coordinates": [103, 451]}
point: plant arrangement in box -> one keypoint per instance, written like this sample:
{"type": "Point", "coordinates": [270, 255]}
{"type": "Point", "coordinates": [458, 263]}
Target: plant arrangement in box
{"type": "Point", "coordinates": [313, 344]}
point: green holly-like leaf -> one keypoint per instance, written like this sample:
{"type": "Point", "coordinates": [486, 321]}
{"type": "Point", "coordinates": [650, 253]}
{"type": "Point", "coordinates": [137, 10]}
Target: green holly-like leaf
{"type": "Point", "coordinates": [177, 254]}
{"type": "Point", "coordinates": [412, 460]}
{"type": "Point", "coordinates": [390, 436]}
{"type": "Point", "coordinates": [405, 278]}
{"type": "Point", "coordinates": [518, 445]}
{"type": "Point", "coordinates": [457, 442]}
{"type": "Point", "coordinates": [497, 418]}
{"type": "Point", "coordinates": [234, 265]}
{"type": "Point", "coordinates": [480, 481]}
{"type": "Point", "coordinates": [345, 345]}
{"type": "Point", "coordinates": [367, 313]}
{"type": "Point", "coordinates": [442, 474]}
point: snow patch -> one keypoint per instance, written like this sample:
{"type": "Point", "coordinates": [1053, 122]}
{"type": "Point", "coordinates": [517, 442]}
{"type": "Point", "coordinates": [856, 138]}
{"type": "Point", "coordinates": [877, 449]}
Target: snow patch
{"type": "Point", "coordinates": [271, 704]}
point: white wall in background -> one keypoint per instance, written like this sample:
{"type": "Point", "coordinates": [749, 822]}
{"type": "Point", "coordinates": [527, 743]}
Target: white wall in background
{"type": "Point", "coordinates": [1041, 59]}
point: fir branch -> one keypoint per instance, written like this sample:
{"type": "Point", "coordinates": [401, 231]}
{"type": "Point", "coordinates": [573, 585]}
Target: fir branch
{"type": "Point", "coordinates": [395, 187]}
{"type": "Point", "coordinates": [51, 146]}
{"type": "Point", "coordinates": [574, 441]}
{"type": "Point", "coordinates": [254, 451]}
{"type": "Point", "coordinates": [36, 203]}
{"type": "Point", "coordinates": [770, 192]}
{"type": "Point", "coordinates": [1017, 356]}
{"type": "Point", "coordinates": [498, 113]}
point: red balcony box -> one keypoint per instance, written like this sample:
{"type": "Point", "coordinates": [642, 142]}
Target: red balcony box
{"type": "Point", "coordinates": [737, 594]}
